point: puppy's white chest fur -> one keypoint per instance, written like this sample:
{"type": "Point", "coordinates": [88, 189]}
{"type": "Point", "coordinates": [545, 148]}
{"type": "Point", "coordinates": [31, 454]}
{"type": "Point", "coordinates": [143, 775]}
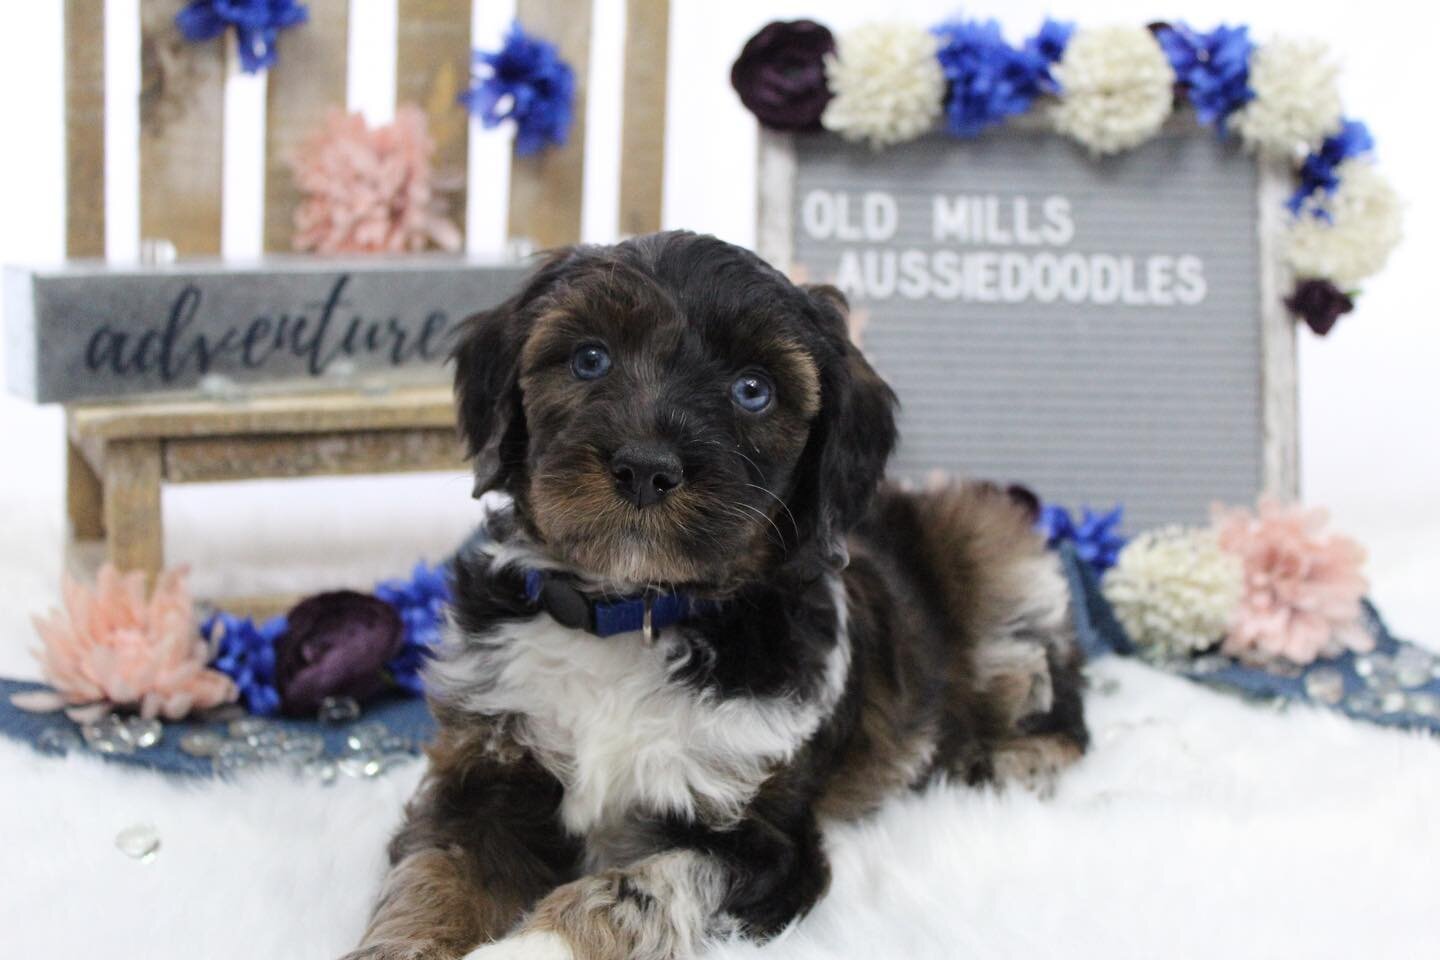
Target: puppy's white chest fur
{"type": "Point", "coordinates": [609, 720]}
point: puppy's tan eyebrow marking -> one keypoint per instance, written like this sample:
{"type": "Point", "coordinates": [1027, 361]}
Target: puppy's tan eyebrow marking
{"type": "Point", "coordinates": [793, 365]}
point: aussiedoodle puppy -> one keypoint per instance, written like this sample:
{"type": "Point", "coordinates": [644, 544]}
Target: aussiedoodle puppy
{"type": "Point", "coordinates": [698, 625]}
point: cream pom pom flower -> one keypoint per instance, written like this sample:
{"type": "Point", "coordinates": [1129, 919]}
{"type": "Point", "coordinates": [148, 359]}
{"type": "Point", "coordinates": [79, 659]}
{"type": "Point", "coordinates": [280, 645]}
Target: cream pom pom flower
{"type": "Point", "coordinates": [1174, 590]}
{"type": "Point", "coordinates": [1297, 98]}
{"type": "Point", "coordinates": [1347, 236]}
{"type": "Point", "coordinates": [887, 83]}
{"type": "Point", "coordinates": [1116, 88]}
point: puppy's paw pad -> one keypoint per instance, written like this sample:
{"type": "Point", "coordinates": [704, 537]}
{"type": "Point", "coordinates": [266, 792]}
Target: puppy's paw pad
{"type": "Point", "coordinates": [531, 945]}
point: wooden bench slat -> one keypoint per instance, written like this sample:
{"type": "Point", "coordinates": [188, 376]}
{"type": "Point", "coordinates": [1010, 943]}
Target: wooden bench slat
{"type": "Point", "coordinates": [545, 188]}
{"type": "Point", "coordinates": [85, 128]}
{"type": "Point", "coordinates": [410, 407]}
{"type": "Point", "coordinates": [182, 122]}
{"type": "Point", "coordinates": [218, 459]}
{"type": "Point", "coordinates": [642, 134]}
{"type": "Point", "coordinates": [306, 82]}
{"type": "Point", "coordinates": [432, 67]}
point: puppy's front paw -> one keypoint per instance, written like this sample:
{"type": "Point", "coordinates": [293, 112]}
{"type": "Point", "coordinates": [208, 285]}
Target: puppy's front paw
{"type": "Point", "coordinates": [528, 945]}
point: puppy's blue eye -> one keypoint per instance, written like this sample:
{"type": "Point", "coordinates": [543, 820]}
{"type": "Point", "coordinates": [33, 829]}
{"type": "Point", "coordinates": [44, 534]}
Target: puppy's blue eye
{"type": "Point", "coordinates": [590, 362]}
{"type": "Point", "coordinates": [752, 391]}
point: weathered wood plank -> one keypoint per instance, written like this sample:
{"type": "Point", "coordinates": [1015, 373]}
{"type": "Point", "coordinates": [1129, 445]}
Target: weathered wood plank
{"type": "Point", "coordinates": [642, 137]}
{"type": "Point", "coordinates": [132, 506]}
{"type": "Point", "coordinates": [308, 80]}
{"type": "Point", "coordinates": [546, 188]}
{"type": "Point", "coordinates": [432, 66]}
{"type": "Point", "coordinates": [182, 113]}
{"type": "Point", "coordinates": [84, 496]}
{"type": "Point", "coordinates": [215, 459]}
{"type": "Point", "coordinates": [1279, 376]}
{"type": "Point", "coordinates": [415, 407]}
{"type": "Point", "coordinates": [85, 128]}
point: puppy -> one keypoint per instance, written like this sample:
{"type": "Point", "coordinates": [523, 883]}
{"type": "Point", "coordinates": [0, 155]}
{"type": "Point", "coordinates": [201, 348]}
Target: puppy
{"type": "Point", "coordinates": [699, 627]}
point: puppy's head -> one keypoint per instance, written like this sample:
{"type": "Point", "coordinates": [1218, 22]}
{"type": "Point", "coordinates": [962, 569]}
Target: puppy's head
{"type": "Point", "coordinates": [673, 410]}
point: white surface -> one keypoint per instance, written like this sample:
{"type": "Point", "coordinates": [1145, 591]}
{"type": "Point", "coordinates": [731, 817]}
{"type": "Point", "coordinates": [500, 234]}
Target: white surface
{"type": "Point", "coordinates": [1199, 827]}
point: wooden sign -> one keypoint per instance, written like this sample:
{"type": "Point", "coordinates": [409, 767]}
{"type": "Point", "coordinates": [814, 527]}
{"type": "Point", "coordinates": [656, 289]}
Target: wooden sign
{"type": "Point", "coordinates": [92, 331]}
{"type": "Point", "coordinates": [1102, 330]}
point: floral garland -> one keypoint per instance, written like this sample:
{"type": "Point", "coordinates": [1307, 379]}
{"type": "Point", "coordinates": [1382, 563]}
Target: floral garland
{"type": "Point", "coordinates": [1110, 89]}
{"type": "Point", "coordinates": [339, 644]}
{"type": "Point", "coordinates": [1270, 587]}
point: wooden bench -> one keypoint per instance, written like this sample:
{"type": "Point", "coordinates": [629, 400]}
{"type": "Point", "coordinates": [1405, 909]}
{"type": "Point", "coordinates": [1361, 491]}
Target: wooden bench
{"type": "Point", "coordinates": [121, 454]}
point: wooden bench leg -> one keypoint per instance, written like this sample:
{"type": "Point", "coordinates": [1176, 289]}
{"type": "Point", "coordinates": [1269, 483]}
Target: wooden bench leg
{"type": "Point", "coordinates": [84, 501]}
{"type": "Point", "coordinates": [134, 532]}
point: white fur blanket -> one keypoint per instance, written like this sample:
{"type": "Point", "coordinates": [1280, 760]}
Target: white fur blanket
{"type": "Point", "coordinates": [1198, 826]}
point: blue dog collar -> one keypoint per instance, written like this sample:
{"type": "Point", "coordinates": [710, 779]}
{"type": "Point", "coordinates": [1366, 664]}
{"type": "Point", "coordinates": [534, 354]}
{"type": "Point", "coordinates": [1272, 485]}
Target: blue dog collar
{"type": "Point", "coordinates": [648, 613]}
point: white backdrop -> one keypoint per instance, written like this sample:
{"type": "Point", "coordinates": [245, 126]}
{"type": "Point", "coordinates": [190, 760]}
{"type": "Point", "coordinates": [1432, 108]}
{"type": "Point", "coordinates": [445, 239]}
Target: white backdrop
{"type": "Point", "coordinates": [1369, 397]}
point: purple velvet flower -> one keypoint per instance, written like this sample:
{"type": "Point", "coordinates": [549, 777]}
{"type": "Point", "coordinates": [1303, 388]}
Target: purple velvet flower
{"type": "Point", "coordinates": [336, 645]}
{"type": "Point", "coordinates": [780, 74]}
{"type": "Point", "coordinates": [1320, 304]}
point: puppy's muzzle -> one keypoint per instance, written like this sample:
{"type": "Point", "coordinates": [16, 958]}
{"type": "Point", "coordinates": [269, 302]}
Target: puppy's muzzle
{"type": "Point", "coordinates": [645, 473]}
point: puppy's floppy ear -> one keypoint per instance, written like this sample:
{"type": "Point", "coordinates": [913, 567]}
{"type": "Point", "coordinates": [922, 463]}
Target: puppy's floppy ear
{"type": "Point", "coordinates": [487, 371]}
{"type": "Point", "coordinates": [850, 440]}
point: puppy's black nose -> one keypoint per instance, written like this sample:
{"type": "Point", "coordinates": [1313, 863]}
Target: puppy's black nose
{"type": "Point", "coordinates": [644, 474]}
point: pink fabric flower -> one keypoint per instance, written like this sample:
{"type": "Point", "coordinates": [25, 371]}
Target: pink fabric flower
{"type": "Point", "coordinates": [112, 645]}
{"type": "Point", "coordinates": [1302, 585]}
{"type": "Point", "coordinates": [370, 190]}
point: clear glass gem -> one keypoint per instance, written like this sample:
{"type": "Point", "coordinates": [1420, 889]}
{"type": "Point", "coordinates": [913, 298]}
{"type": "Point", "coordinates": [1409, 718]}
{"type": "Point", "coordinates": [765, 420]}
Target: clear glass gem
{"type": "Point", "coordinates": [1325, 685]}
{"type": "Point", "coordinates": [57, 741]}
{"type": "Point", "coordinates": [303, 746]}
{"type": "Point", "coordinates": [323, 770]}
{"type": "Point", "coordinates": [202, 743]}
{"type": "Point", "coordinates": [338, 710]}
{"type": "Point", "coordinates": [108, 735]}
{"type": "Point", "coordinates": [1284, 668]}
{"type": "Point", "coordinates": [248, 727]}
{"type": "Point", "coordinates": [145, 732]}
{"type": "Point", "coordinates": [1393, 701]}
{"type": "Point", "coordinates": [139, 842]}
{"type": "Point", "coordinates": [1377, 669]}
{"type": "Point", "coordinates": [361, 765]}
{"type": "Point", "coordinates": [365, 736]}
{"type": "Point", "coordinates": [1424, 705]}
{"type": "Point", "coordinates": [1413, 667]}
{"type": "Point", "coordinates": [234, 757]}
{"type": "Point", "coordinates": [1363, 702]}
{"type": "Point", "coordinates": [1210, 663]}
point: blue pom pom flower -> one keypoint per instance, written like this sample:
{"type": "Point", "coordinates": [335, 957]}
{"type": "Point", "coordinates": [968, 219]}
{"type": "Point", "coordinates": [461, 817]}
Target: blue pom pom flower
{"type": "Point", "coordinates": [421, 602]}
{"type": "Point", "coordinates": [989, 80]}
{"type": "Point", "coordinates": [527, 82]}
{"type": "Point", "coordinates": [245, 653]}
{"type": "Point", "coordinates": [1096, 536]}
{"type": "Point", "coordinates": [257, 25]}
{"type": "Point", "coordinates": [1318, 172]}
{"type": "Point", "coordinates": [1214, 68]}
